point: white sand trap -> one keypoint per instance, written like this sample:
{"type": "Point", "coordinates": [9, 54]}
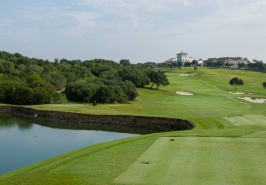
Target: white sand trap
{"type": "Point", "coordinates": [184, 93]}
{"type": "Point", "coordinates": [236, 93]}
{"type": "Point", "coordinates": [257, 100]}
{"type": "Point", "coordinates": [186, 75]}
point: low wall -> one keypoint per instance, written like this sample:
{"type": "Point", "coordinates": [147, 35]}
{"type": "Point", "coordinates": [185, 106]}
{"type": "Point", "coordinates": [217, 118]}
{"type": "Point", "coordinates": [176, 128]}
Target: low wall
{"type": "Point", "coordinates": [69, 118]}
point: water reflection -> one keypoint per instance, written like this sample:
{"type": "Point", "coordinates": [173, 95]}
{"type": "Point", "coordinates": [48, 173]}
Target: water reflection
{"type": "Point", "coordinates": [7, 122]}
{"type": "Point", "coordinates": [23, 142]}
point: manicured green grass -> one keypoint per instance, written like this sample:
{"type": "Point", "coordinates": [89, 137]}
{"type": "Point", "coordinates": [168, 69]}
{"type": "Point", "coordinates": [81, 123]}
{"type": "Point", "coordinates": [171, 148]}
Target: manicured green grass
{"type": "Point", "coordinates": [248, 119]}
{"type": "Point", "coordinates": [226, 147]}
{"type": "Point", "coordinates": [200, 160]}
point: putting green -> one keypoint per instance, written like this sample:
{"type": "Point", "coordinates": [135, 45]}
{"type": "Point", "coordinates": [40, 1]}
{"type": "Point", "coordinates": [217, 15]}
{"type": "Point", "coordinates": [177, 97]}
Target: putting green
{"type": "Point", "coordinates": [200, 160]}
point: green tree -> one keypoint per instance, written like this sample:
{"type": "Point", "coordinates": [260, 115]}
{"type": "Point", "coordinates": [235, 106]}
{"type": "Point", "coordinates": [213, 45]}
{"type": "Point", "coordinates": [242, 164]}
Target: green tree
{"type": "Point", "coordinates": [59, 81]}
{"type": "Point", "coordinates": [137, 76]}
{"type": "Point", "coordinates": [106, 94]}
{"type": "Point", "coordinates": [23, 96]}
{"type": "Point", "coordinates": [124, 62]}
{"type": "Point", "coordinates": [8, 68]}
{"type": "Point", "coordinates": [242, 65]}
{"type": "Point", "coordinates": [158, 78]}
{"type": "Point", "coordinates": [56, 60]}
{"type": "Point", "coordinates": [129, 89]}
{"type": "Point", "coordinates": [74, 91]}
{"type": "Point", "coordinates": [257, 66]}
{"type": "Point", "coordinates": [187, 64]}
{"type": "Point", "coordinates": [194, 63]}
{"type": "Point", "coordinates": [97, 69]}
{"type": "Point", "coordinates": [2, 94]}
{"type": "Point", "coordinates": [179, 64]}
{"type": "Point", "coordinates": [236, 81]}
{"type": "Point", "coordinates": [220, 63]}
{"type": "Point", "coordinates": [7, 89]}
{"type": "Point", "coordinates": [35, 80]}
{"type": "Point", "coordinates": [264, 85]}
{"type": "Point", "coordinates": [170, 65]}
{"type": "Point", "coordinates": [111, 75]}
{"type": "Point", "coordinates": [89, 92]}
{"type": "Point", "coordinates": [43, 95]}
{"type": "Point", "coordinates": [59, 98]}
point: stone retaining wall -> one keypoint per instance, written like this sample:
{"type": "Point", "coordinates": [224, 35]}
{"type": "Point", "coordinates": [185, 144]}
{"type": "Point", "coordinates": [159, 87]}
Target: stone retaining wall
{"type": "Point", "coordinates": [69, 118]}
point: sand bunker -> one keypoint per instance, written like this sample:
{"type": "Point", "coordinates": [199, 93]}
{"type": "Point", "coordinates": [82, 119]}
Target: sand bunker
{"type": "Point", "coordinates": [186, 75]}
{"type": "Point", "coordinates": [184, 93]}
{"type": "Point", "coordinates": [257, 100]}
{"type": "Point", "coordinates": [236, 93]}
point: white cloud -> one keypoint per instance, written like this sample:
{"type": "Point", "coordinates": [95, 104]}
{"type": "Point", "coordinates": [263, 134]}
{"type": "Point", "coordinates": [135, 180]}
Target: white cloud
{"type": "Point", "coordinates": [148, 11]}
{"type": "Point", "coordinates": [146, 30]}
{"type": "Point", "coordinates": [57, 19]}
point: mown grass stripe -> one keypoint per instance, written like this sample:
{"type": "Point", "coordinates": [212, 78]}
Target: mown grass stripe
{"type": "Point", "coordinates": [250, 119]}
{"type": "Point", "coordinates": [197, 160]}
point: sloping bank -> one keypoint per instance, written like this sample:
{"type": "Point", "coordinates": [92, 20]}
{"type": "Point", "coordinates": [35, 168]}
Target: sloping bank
{"type": "Point", "coordinates": [67, 118]}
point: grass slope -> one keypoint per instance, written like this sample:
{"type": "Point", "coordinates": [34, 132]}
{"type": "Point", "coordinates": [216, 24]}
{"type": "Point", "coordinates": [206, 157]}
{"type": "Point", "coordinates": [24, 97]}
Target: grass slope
{"type": "Point", "coordinates": [221, 150]}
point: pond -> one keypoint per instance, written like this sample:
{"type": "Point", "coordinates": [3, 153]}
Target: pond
{"type": "Point", "coordinates": [24, 142]}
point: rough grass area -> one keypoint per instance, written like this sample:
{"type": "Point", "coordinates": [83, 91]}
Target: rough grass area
{"type": "Point", "coordinates": [199, 160]}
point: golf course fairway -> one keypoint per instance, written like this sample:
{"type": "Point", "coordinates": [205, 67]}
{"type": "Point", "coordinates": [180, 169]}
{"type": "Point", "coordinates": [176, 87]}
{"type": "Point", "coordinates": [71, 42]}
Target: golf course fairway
{"type": "Point", "coordinates": [199, 160]}
{"type": "Point", "coordinates": [227, 145]}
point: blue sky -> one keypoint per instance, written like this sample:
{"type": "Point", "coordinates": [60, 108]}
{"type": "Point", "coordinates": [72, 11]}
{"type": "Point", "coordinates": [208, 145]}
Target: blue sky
{"type": "Point", "coordinates": [138, 30]}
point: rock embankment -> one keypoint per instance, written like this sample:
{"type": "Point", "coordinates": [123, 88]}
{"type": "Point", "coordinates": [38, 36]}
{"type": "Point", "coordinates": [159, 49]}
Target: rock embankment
{"type": "Point", "coordinates": [69, 118]}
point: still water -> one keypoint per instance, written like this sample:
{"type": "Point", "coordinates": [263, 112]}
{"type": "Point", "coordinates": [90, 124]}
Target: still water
{"type": "Point", "coordinates": [23, 143]}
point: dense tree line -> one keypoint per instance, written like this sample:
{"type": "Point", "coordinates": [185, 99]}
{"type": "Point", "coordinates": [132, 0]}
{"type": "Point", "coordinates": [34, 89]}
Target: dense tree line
{"type": "Point", "coordinates": [26, 80]}
{"type": "Point", "coordinates": [256, 65]}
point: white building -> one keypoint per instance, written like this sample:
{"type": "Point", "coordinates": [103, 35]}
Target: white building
{"type": "Point", "coordinates": [183, 57]}
{"type": "Point", "coordinates": [200, 62]}
{"type": "Point", "coordinates": [230, 62]}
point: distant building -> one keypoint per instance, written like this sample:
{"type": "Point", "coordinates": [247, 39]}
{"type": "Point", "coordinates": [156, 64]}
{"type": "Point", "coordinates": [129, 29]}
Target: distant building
{"type": "Point", "coordinates": [200, 62]}
{"type": "Point", "coordinates": [231, 62]}
{"type": "Point", "coordinates": [183, 57]}
{"type": "Point", "coordinates": [212, 60]}
{"type": "Point", "coordinates": [170, 60]}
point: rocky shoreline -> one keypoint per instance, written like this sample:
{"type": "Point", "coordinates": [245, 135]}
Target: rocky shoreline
{"type": "Point", "coordinates": [157, 124]}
